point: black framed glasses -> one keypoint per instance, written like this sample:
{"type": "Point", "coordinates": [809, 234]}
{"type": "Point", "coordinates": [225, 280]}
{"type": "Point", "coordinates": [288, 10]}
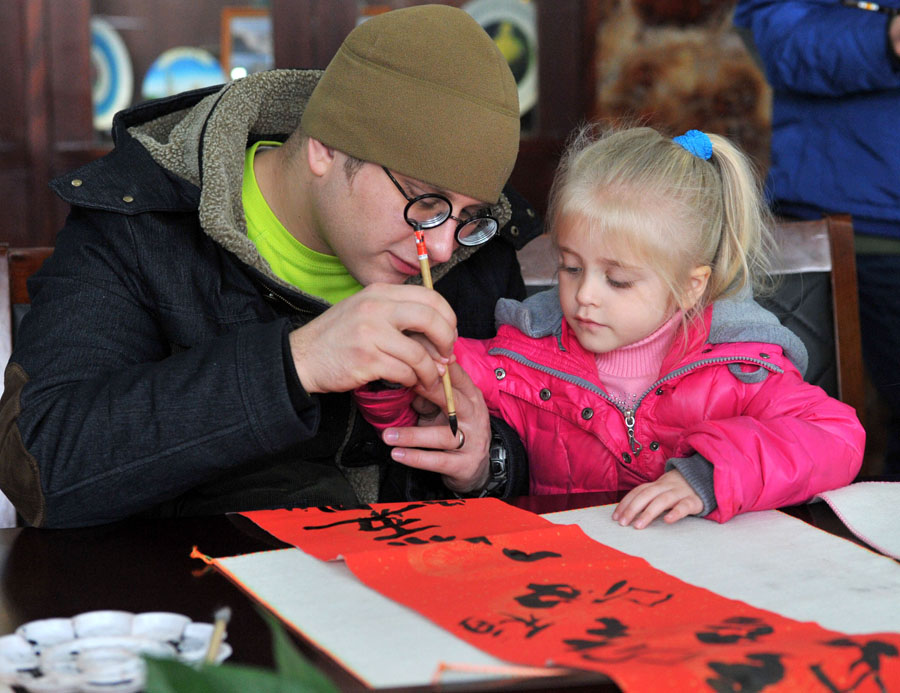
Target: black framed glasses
{"type": "Point", "coordinates": [433, 209]}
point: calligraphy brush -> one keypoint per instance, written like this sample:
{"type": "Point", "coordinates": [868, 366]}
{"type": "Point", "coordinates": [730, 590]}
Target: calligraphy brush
{"type": "Point", "coordinates": [425, 267]}
{"type": "Point", "coordinates": [872, 7]}
{"type": "Point", "coordinates": [221, 619]}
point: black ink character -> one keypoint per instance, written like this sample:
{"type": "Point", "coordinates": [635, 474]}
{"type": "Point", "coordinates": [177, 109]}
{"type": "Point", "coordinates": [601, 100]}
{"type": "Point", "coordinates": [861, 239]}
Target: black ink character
{"type": "Point", "coordinates": [479, 540]}
{"type": "Point", "coordinates": [480, 626]}
{"type": "Point", "coordinates": [524, 557]}
{"type": "Point", "coordinates": [870, 654]}
{"type": "Point", "coordinates": [760, 671]}
{"type": "Point", "coordinates": [636, 595]}
{"type": "Point", "coordinates": [612, 628]}
{"type": "Point", "coordinates": [533, 625]}
{"type": "Point", "coordinates": [610, 645]}
{"type": "Point", "coordinates": [547, 596]}
{"type": "Point", "coordinates": [383, 521]}
{"type": "Point", "coordinates": [735, 629]}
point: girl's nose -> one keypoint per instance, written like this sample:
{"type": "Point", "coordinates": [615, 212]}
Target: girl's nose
{"type": "Point", "coordinates": [588, 293]}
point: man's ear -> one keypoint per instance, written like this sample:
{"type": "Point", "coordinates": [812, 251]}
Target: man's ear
{"type": "Point", "coordinates": [697, 281]}
{"type": "Point", "coordinates": [320, 157]}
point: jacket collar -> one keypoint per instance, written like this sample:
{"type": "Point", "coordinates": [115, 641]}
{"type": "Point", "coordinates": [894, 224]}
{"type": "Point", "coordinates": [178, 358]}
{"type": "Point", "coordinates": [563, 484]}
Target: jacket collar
{"type": "Point", "coordinates": [737, 319]}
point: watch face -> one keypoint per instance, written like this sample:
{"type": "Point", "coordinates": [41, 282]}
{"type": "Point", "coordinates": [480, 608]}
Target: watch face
{"type": "Point", "coordinates": [498, 459]}
{"type": "Point", "coordinates": [512, 25]}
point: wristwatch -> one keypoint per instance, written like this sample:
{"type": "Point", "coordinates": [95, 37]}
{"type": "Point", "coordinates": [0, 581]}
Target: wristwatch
{"type": "Point", "coordinates": [499, 470]}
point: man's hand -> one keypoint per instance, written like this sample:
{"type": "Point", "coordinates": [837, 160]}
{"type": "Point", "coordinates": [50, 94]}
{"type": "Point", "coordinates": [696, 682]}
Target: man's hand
{"type": "Point", "coordinates": [646, 502]}
{"type": "Point", "coordinates": [363, 339]}
{"type": "Point", "coordinates": [432, 446]}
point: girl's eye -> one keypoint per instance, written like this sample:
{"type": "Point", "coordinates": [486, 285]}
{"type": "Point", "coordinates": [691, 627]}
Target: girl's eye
{"type": "Point", "coordinates": [568, 269]}
{"type": "Point", "coordinates": [617, 284]}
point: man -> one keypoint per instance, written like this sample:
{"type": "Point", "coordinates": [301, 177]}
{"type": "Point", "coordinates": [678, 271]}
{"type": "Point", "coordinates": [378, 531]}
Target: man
{"type": "Point", "coordinates": [215, 294]}
{"type": "Point", "coordinates": [835, 76]}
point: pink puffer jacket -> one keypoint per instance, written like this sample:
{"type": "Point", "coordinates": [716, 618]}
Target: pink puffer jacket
{"type": "Point", "coordinates": [773, 439]}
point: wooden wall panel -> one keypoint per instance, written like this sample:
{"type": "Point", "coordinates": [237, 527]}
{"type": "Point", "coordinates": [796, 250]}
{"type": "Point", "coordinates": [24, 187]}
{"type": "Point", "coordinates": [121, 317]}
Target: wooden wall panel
{"type": "Point", "coordinates": [566, 44]}
{"type": "Point", "coordinates": [309, 32]}
{"type": "Point", "coordinates": [46, 116]}
{"type": "Point", "coordinates": [14, 171]}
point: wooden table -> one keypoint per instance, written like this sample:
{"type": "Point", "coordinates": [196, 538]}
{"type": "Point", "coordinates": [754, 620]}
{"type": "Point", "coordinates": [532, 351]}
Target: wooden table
{"type": "Point", "coordinates": [145, 565]}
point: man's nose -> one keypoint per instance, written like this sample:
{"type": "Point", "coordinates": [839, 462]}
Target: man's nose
{"type": "Point", "coordinates": [441, 241]}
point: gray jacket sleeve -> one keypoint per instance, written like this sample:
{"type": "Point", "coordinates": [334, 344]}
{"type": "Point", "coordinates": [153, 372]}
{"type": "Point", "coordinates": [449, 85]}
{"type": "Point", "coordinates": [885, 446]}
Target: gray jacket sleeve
{"type": "Point", "coordinates": [698, 472]}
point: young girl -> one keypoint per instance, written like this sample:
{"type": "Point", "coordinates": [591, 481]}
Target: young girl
{"type": "Point", "coordinates": [650, 367]}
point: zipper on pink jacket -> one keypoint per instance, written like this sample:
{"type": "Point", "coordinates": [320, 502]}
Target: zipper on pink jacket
{"type": "Point", "coordinates": [629, 414]}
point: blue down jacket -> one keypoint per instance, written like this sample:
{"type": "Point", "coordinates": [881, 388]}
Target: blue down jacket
{"type": "Point", "coordinates": [835, 110]}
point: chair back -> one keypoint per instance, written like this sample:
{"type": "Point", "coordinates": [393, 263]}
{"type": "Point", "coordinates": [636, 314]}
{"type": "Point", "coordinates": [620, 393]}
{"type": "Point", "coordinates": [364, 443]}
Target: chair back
{"type": "Point", "coordinates": [16, 265]}
{"type": "Point", "coordinates": [816, 297]}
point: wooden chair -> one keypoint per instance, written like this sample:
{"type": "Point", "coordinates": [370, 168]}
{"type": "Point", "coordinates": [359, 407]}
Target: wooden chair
{"type": "Point", "coordinates": [816, 297]}
{"type": "Point", "coordinates": [16, 265]}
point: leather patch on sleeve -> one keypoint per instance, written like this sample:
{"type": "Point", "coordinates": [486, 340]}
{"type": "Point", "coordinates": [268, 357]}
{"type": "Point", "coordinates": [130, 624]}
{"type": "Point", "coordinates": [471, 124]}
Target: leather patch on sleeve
{"type": "Point", "coordinates": [20, 477]}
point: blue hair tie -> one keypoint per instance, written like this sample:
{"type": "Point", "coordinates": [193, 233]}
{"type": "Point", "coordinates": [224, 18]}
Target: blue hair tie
{"type": "Point", "coordinates": [696, 142]}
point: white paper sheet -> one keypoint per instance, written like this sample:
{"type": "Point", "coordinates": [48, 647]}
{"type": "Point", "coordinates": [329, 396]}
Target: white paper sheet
{"type": "Point", "coordinates": [366, 632]}
{"type": "Point", "coordinates": [869, 510]}
{"type": "Point", "coordinates": [768, 559]}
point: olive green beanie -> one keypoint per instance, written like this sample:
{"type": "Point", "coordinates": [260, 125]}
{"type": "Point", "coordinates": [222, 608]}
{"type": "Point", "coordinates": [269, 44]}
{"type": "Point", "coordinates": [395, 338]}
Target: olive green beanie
{"type": "Point", "coordinates": [425, 92]}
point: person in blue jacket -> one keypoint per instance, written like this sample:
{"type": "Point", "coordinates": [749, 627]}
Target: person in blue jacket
{"type": "Point", "coordinates": [834, 68]}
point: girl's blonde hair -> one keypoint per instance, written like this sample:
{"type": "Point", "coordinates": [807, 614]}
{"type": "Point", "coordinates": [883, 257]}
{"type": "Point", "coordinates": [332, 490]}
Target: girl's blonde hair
{"type": "Point", "coordinates": [643, 192]}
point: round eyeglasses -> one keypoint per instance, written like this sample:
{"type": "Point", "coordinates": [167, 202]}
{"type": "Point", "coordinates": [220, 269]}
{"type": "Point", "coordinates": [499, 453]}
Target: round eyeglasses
{"type": "Point", "coordinates": [433, 209]}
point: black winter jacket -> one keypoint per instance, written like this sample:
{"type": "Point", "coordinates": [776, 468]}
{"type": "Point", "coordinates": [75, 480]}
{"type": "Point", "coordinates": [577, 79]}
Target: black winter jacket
{"type": "Point", "coordinates": [152, 374]}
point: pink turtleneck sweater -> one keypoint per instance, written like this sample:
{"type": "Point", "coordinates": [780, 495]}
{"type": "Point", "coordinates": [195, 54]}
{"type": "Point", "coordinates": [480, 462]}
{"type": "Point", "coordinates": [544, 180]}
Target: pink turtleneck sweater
{"type": "Point", "coordinates": [628, 371]}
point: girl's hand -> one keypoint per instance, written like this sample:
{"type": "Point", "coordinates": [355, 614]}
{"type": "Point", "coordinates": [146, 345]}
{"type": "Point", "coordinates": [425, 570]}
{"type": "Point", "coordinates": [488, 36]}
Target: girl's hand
{"type": "Point", "coordinates": [646, 502]}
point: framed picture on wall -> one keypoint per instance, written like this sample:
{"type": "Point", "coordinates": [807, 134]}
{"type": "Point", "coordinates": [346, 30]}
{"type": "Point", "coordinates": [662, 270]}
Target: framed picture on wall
{"type": "Point", "coordinates": [246, 41]}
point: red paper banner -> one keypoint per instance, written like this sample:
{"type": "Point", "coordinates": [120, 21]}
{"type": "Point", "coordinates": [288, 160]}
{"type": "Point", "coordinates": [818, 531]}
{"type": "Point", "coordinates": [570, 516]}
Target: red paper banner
{"type": "Point", "coordinates": [551, 596]}
{"type": "Point", "coordinates": [330, 533]}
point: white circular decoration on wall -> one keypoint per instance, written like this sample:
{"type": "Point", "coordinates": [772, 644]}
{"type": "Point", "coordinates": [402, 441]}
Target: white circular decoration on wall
{"type": "Point", "coordinates": [112, 79]}
{"type": "Point", "coordinates": [512, 25]}
{"type": "Point", "coordinates": [181, 69]}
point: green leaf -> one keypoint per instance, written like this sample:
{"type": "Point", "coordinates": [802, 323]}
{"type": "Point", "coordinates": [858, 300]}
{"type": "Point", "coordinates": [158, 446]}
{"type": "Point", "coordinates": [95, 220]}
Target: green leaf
{"type": "Point", "coordinates": [170, 676]}
{"type": "Point", "coordinates": [294, 674]}
{"type": "Point", "coordinates": [291, 662]}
